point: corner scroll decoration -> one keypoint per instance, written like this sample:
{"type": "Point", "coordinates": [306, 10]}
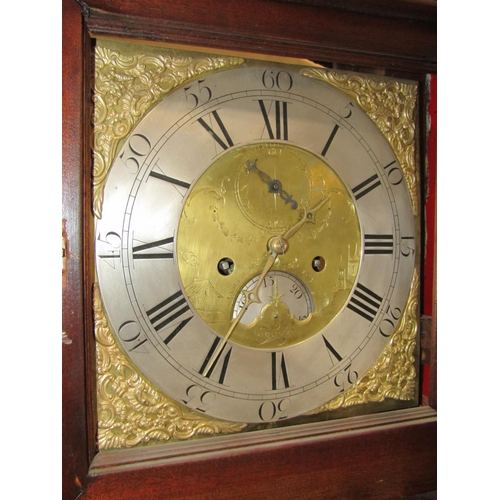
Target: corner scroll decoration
{"type": "Point", "coordinates": [391, 105]}
{"type": "Point", "coordinates": [130, 410]}
{"type": "Point", "coordinates": [126, 87]}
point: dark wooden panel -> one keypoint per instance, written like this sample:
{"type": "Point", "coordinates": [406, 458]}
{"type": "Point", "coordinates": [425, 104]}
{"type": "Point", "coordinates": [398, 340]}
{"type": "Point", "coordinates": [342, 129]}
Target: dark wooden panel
{"type": "Point", "coordinates": [415, 9]}
{"type": "Point", "coordinates": [393, 462]}
{"type": "Point", "coordinates": [307, 30]}
{"type": "Point", "coordinates": [75, 461]}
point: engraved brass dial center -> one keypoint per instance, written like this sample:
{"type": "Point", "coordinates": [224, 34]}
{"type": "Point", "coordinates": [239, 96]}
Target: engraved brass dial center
{"type": "Point", "coordinates": [231, 216]}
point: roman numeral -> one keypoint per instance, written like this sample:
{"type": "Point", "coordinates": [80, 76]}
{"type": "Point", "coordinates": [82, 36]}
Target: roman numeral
{"type": "Point", "coordinates": [281, 119]}
{"type": "Point", "coordinates": [225, 362]}
{"type": "Point", "coordinates": [278, 372]}
{"type": "Point", "coordinates": [332, 352]}
{"type": "Point", "coordinates": [223, 144]}
{"type": "Point", "coordinates": [158, 173]}
{"type": "Point", "coordinates": [365, 302]}
{"type": "Point", "coordinates": [139, 252]}
{"type": "Point", "coordinates": [365, 187]}
{"type": "Point", "coordinates": [172, 180]}
{"type": "Point", "coordinates": [177, 329]}
{"type": "Point", "coordinates": [167, 311]}
{"type": "Point", "coordinates": [379, 244]}
{"type": "Point", "coordinates": [329, 141]}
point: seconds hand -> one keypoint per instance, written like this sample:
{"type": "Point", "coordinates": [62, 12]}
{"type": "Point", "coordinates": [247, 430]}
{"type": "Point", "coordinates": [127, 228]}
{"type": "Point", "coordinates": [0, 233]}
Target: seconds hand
{"type": "Point", "coordinates": [279, 245]}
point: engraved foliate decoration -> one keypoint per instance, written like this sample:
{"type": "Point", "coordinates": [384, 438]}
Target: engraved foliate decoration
{"type": "Point", "coordinates": [248, 212]}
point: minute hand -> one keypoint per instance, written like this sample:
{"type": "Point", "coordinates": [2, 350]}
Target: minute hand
{"type": "Point", "coordinates": [307, 217]}
{"type": "Point", "coordinates": [251, 297]}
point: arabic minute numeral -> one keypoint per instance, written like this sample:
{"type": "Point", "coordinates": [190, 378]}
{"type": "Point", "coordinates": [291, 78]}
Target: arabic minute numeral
{"type": "Point", "coordinates": [137, 146]}
{"type": "Point", "coordinates": [346, 111]}
{"type": "Point", "coordinates": [388, 324]}
{"type": "Point", "coordinates": [113, 243]}
{"type": "Point", "coordinates": [346, 378]}
{"type": "Point", "coordinates": [199, 398]}
{"type": "Point", "coordinates": [196, 95]}
{"type": "Point", "coordinates": [269, 410]}
{"type": "Point", "coordinates": [281, 80]}
{"type": "Point", "coordinates": [407, 246]}
{"type": "Point", "coordinates": [394, 173]}
{"type": "Point", "coordinates": [130, 332]}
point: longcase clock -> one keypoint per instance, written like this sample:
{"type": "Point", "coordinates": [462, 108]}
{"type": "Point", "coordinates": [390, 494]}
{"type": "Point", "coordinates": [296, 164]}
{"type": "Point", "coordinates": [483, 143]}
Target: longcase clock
{"type": "Point", "coordinates": [243, 208]}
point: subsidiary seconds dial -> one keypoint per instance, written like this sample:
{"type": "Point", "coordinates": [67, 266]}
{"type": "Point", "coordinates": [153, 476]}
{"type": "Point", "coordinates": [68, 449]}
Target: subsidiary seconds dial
{"type": "Point", "coordinates": [281, 291]}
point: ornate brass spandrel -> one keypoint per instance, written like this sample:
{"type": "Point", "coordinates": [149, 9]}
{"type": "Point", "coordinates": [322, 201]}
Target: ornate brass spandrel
{"type": "Point", "coordinates": [394, 374]}
{"type": "Point", "coordinates": [131, 411]}
{"type": "Point", "coordinates": [126, 87]}
{"type": "Point", "coordinates": [391, 105]}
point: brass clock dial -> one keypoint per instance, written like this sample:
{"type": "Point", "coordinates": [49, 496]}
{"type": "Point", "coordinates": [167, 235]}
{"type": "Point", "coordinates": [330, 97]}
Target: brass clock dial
{"type": "Point", "coordinates": [257, 244]}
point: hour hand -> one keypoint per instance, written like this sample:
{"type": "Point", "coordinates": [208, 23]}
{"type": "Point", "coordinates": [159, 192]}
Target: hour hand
{"type": "Point", "coordinates": [274, 185]}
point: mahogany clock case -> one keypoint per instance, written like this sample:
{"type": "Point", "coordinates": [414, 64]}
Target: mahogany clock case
{"type": "Point", "coordinates": [344, 464]}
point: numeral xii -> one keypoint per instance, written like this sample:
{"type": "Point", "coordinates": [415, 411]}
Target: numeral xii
{"type": "Point", "coordinates": [281, 119]}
